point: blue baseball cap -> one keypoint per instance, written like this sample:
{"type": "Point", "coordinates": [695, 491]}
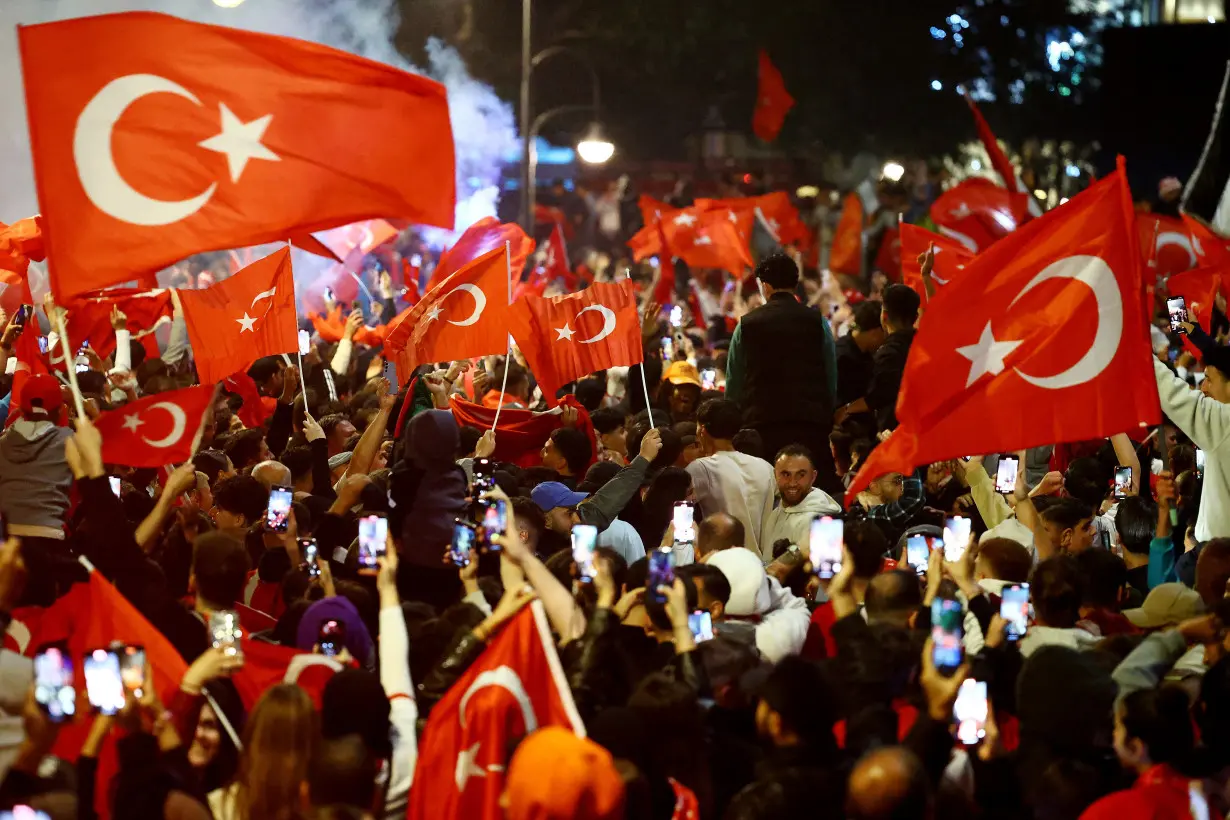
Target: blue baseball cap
{"type": "Point", "coordinates": [551, 494]}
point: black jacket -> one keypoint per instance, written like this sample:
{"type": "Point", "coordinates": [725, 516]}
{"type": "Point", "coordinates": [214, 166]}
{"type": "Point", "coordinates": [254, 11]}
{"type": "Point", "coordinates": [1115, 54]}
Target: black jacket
{"type": "Point", "coordinates": [783, 360]}
{"type": "Point", "coordinates": [853, 371]}
{"type": "Point", "coordinates": [888, 366]}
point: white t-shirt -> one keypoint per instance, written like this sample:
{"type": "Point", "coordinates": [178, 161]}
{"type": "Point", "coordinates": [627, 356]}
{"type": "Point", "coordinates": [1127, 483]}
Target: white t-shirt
{"type": "Point", "coordinates": [739, 485]}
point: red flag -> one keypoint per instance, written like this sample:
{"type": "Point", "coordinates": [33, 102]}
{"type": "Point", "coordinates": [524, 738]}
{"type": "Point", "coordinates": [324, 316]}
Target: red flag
{"type": "Point", "coordinates": [651, 209]}
{"type": "Point", "coordinates": [154, 430]}
{"type": "Point", "coordinates": [555, 266]}
{"type": "Point", "coordinates": [19, 243]}
{"type": "Point", "coordinates": [706, 240]}
{"type": "Point", "coordinates": [1048, 318]}
{"type": "Point", "coordinates": [999, 160]}
{"type": "Point", "coordinates": [976, 212]}
{"type": "Point", "coordinates": [1166, 243]}
{"type": "Point", "coordinates": [266, 665]}
{"type": "Point", "coordinates": [551, 215]}
{"type": "Point", "coordinates": [566, 337]}
{"type": "Point", "coordinates": [89, 319]}
{"type": "Point", "coordinates": [482, 237]}
{"type": "Point", "coordinates": [1198, 288]}
{"type": "Point", "coordinates": [773, 101]}
{"type": "Point", "coordinates": [846, 254]}
{"type": "Point", "coordinates": [1211, 248]}
{"type": "Point", "coordinates": [514, 688]}
{"type": "Point", "coordinates": [776, 212]}
{"type": "Point", "coordinates": [350, 243]}
{"type": "Point", "coordinates": [252, 412]}
{"type": "Point", "coordinates": [888, 257]}
{"type": "Point", "coordinates": [193, 138]}
{"type": "Point", "coordinates": [664, 288]}
{"type": "Point", "coordinates": [646, 242]}
{"type": "Point", "coordinates": [239, 320]}
{"type": "Point", "coordinates": [951, 257]}
{"type": "Point", "coordinates": [464, 316]}
{"type": "Point", "coordinates": [521, 433]}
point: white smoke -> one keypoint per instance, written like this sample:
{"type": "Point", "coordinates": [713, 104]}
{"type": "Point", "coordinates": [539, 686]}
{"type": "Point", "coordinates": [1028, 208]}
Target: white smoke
{"type": "Point", "coordinates": [483, 125]}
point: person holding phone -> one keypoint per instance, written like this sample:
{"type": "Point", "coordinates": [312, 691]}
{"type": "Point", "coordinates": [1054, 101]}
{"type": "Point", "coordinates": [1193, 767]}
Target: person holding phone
{"type": "Point", "coordinates": [800, 501]}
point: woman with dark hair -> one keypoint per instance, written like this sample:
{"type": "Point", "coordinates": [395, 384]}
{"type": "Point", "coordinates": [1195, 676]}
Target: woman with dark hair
{"type": "Point", "coordinates": [1155, 739]}
{"type": "Point", "coordinates": [668, 487]}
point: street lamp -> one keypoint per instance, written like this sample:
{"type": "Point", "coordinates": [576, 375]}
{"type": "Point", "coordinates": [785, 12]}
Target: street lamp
{"type": "Point", "coordinates": [227, 4]}
{"type": "Point", "coordinates": [594, 148]}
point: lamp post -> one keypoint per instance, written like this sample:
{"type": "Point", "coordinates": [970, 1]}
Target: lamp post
{"type": "Point", "coordinates": [593, 148]}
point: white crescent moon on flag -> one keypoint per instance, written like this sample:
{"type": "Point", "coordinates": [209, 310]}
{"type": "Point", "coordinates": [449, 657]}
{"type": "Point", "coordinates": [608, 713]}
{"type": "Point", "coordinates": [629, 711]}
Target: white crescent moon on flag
{"type": "Point", "coordinates": [965, 240]}
{"type": "Point", "coordinates": [1097, 275]}
{"type": "Point", "coordinates": [503, 677]}
{"type": "Point", "coordinates": [1184, 241]}
{"type": "Point", "coordinates": [608, 323]}
{"type": "Point", "coordinates": [179, 423]}
{"type": "Point", "coordinates": [480, 303]}
{"type": "Point", "coordinates": [102, 181]}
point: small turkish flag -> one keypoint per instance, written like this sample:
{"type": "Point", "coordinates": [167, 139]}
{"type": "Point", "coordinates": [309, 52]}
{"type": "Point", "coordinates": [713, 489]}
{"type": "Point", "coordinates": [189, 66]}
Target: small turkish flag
{"type": "Point", "coordinates": [155, 430]}
{"type": "Point", "coordinates": [514, 688]}
{"type": "Point", "coordinates": [646, 242]}
{"type": "Point", "coordinates": [1211, 248]}
{"type": "Point", "coordinates": [707, 240]}
{"type": "Point", "coordinates": [1042, 340]}
{"type": "Point", "coordinates": [1166, 244]}
{"type": "Point", "coordinates": [464, 316]}
{"type": "Point", "coordinates": [651, 209]}
{"type": "Point", "coordinates": [482, 237]}
{"type": "Point", "coordinates": [846, 253]}
{"type": "Point", "coordinates": [252, 411]}
{"type": "Point", "coordinates": [951, 257]}
{"type": "Point", "coordinates": [664, 287]}
{"type": "Point", "coordinates": [190, 138]}
{"type": "Point", "coordinates": [977, 213]}
{"type": "Point", "coordinates": [566, 337]}
{"type": "Point", "coordinates": [240, 319]}
{"type": "Point", "coordinates": [999, 160]}
{"type": "Point", "coordinates": [89, 320]}
{"type": "Point", "coordinates": [1198, 288]}
{"type": "Point", "coordinates": [775, 211]}
{"type": "Point", "coordinates": [555, 265]}
{"type": "Point", "coordinates": [773, 101]}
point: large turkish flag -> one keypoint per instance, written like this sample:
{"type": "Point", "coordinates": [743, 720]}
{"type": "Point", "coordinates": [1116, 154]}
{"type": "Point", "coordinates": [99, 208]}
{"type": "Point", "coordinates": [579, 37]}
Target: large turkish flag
{"type": "Point", "coordinates": [1042, 340]}
{"type": "Point", "coordinates": [155, 138]}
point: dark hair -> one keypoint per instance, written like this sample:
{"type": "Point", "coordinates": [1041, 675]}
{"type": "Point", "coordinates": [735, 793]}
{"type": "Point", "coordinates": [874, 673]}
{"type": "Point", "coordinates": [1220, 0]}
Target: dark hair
{"type": "Point", "coordinates": [220, 566]}
{"type": "Point", "coordinates": [343, 772]}
{"type": "Point", "coordinates": [262, 370]}
{"type": "Point", "coordinates": [210, 462]}
{"type": "Point", "coordinates": [617, 563]}
{"type": "Point", "coordinates": [330, 422]}
{"type": "Point", "coordinates": [802, 694]}
{"type": "Point", "coordinates": [1136, 521]}
{"type": "Point", "coordinates": [525, 509]}
{"type": "Point", "coordinates": [242, 495]}
{"type": "Point", "coordinates": [793, 450]}
{"type": "Point", "coordinates": [516, 378]}
{"type": "Point", "coordinates": [860, 448]}
{"type": "Point", "coordinates": [1057, 592]}
{"type": "Point", "coordinates": [717, 585]}
{"type": "Point", "coordinates": [867, 315]}
{"type": "Point", "coordinates": [720, 417]}
{"type": "Point", "coordinates": [575, 447]}
{"type": "Point", "coordinates": [607, 419]}
{"type": "Point", "coordinates": [244, 448]}
{"type": "Point", "coordinates": [893, 594]}
{"type": "Point", "coordinates": [1066, 513]}
{"type": "Point", "coordinates": [597, 476]}
{"type": "Point", "coordinates": [298, 460]}
{"type": "Point", "coordinates": [467, 440]}
{"type": "Point", "coordinates": [1160, 719]}
{"type": "Point", "coordinates": [779, 272]}
{"type": "Point", "coordinates": [749, 442]}
{"type": "Point", "coordinates": [901, 305]}
{"type": "Point", "coordinates": [867, 545]}
{"type": "Point", "coordinates": [655, 608]}
{"type": "Point", "coordinates": [1008, 559]}
{"type": "Point", "coordinates": [1214, 713]}
{"type": "Point", "coordinates": [590, 392]}
{"type": "Point", "coordinates": [1103, 576]}
{"type": "Point", "coordinates": [1089, 480]}
{"type": "Point", "coordinates": [665, 490]}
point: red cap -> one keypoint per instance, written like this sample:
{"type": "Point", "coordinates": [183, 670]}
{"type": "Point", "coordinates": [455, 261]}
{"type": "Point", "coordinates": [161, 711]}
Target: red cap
{"type": "Point", "coordinates": [41, 393]}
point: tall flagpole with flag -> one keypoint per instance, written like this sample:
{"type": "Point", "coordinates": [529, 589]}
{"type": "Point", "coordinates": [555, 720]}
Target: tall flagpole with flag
{"type": "Point", "coordinates": [508, 351]}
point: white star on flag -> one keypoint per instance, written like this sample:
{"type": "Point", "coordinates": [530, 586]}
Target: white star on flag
{"type": "Point", "coordinates": [131, 423]}
{"type": "Point", "coordinates": [960, 212]}
{"type": "Point", "coordinates": [433, 313]}
{"type": "Point", "coordinates": [564, 332]}
{"type": "Point", "coordinates": [731, 216]}
{"type": "Point", "coordinates": [704, 240]}
{"type": "Point", "coordinates": [987, 355]}
{"type": "Point", "coordinates": [240, 141]}
{"type": "Point", "coordinates": [685, 219]}
{"type": "Point", "coordinates": [246, 323]}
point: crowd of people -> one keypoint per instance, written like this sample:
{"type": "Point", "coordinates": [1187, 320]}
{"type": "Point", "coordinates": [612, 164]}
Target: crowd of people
{"type": "Point", "coordinates": [727, 655]}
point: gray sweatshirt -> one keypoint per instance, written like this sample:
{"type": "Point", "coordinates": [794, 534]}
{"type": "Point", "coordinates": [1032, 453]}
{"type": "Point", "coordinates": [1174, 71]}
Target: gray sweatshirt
{"type": "Point", "coordinates": [34, 478]}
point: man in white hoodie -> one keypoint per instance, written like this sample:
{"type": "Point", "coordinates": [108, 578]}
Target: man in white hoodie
{"type": "Point", "coordinates": [799, 503]}
{"type": "Point", "coordinates": [1056, 593]}
{"type": "Point", "coordinates": [780, 619]}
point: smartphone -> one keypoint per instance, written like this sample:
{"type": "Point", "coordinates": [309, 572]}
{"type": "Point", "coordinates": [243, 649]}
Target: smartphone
{"type": "Point", "coordinates": [53, 683]}
{"type": "Point", "coordinates": [331, 638]}
{"type": "Point", "coordinates": [947, 630]}
{"type": "Point", "coordinates": [668, 349]}
{"type": "Point", "coordinates": [827, 535]}
{"type": "Point", "coordinates": [464, 537]}
{"type": "Point", "coordinates": [1123, 482]}
{"type": "Point", "coordinates": [373, 539]}
{"type": "Point", "coordinates": [82, 364]}
{"type": "Point", "coordinates": [918, 553]}
{"type": "Point", "coordinates": [277, 517]}
{"type": "Point", "coordinates": [1199, 463]}
{"type": "Point", "coordinates": [701, 624]}
{"type": "Point", "coordinates": [42, 344]}
{"type": "Point", "coordinates": [484, 480]}
{"type": "Point", "coordinates": [970, 711]}
{"type": "Point", "coordinates": [661, 573]}
{"type": "Point", "coordinates": [225, 631]}
{"type": "Point", "coordinates": [1014, 609]}
{"type": "Point", "coordinates": [310, 553]}
{"type": "Point", "coordinates": [708, 379]}
{"type": "Point", "coordinates": [495, 520]}
{"type": "Point", "coordinates": [23, 315]}
{"type": "Point", "coordinates": [1176, 306]}
{"type": "Point", "coordinates": [676, 316]}
{"type": "Point", "coordinates": [684, 519]}
{"type": "Point", "coordinates": [132, 669]}
{"type": "Point", "coordinates": [115, 484]}
{"type": "Point", "coordinates": [103, 684]}
{"type": "Point", "coordinates": [1005, 475]}
{"type": "Point", "coordinates": [584, 539]}
{"type": "Point", "coordinates": [390, 372]}
{"type": "Point", "coordinates": [956, 537]}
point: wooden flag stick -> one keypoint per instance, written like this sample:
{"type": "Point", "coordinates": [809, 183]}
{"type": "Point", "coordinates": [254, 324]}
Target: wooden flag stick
{"type": "Point", "coordinates": [508, 349]}
{"type": "Point", "coordinates": [70, 360]}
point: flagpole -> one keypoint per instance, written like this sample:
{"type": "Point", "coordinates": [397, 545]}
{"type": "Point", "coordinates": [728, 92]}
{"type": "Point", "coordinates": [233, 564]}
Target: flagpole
{"type": "Point", "coordinates": [299, 349]}
{"type": "Point", "coordinates": [70, 361]}
{"type": "Point", "coordinates": [644, 383]}
{"type": "Point", "coordinates": [508, 342]}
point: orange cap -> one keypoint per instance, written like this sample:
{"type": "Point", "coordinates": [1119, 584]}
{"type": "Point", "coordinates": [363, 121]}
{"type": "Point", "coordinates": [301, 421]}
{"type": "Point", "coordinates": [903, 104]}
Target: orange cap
{"type": "Point", "coordinates": [555, 775]}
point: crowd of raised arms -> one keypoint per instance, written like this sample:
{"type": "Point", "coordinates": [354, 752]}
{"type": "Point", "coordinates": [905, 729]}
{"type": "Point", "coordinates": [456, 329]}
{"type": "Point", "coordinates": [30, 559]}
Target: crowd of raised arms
{"type": "Point", "coordinates": [313, 617]}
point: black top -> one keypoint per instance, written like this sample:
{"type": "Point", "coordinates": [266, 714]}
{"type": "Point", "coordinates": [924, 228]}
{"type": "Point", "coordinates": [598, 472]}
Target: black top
{"type": "Point", "coordinates": [853, 370]}
{"type": "Point", "coordinates": [782, 347]}
{"type": "Point", "coordinates": [888, 366]}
